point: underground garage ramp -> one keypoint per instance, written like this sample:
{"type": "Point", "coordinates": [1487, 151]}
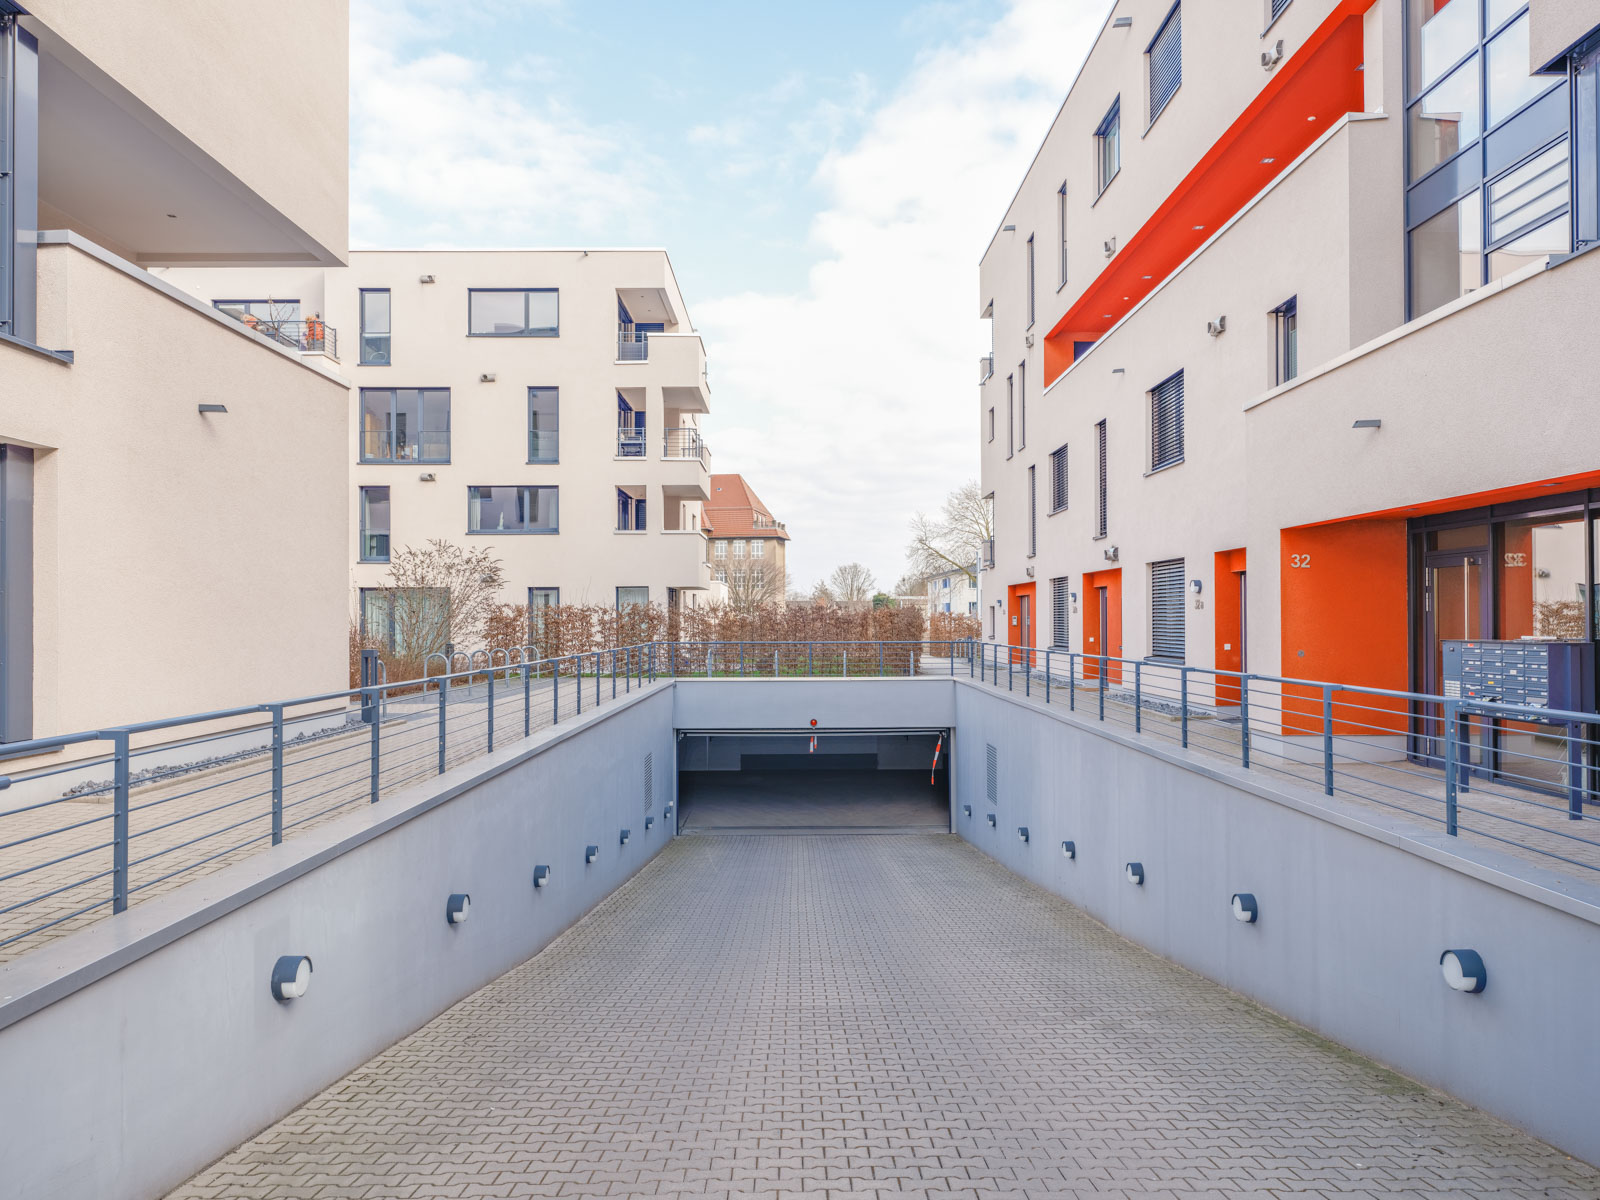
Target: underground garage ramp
{"type": "Point", "coordinates": [805, 781]}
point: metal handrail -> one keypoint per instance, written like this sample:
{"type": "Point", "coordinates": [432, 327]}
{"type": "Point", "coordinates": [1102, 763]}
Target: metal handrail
{"type": "Point", "coordinates": [420, 446]}
{"type": "Point", "coordinates": [683, 442]}
{"type": "Point", "coordinates": [633, 345]}
{"type": "Point", "coordinates": [312, 335]}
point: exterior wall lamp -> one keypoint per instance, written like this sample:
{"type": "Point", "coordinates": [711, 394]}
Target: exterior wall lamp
{"type": "Point", "coordinates": [457, 909]}
{"type": "Point", "coordinates": [966, 810]}
{"type": "Point", "coordinates": [649, 822]}
{"type": "Point", "coordinates": [213, 408]}
{"type": "Point", "coordinates": [541, 876]}
{"type": "Point", "coordinates": [1069, 850]}
{"type": "Point", "coordinates": [1134, 872]}
{"type": "Point", "coordinates": [1244, 908]}
{"type": "Point", "coordinates": [291, 977]}
{"type": "Point", "coordinates": [1464, 970]}
{"type": "Point", "coordinates": [590, 853]}
{"type": "Point", "coordinates": [626, 834]}
{"type": "Point", "coordinates": [991, 821]}
{"type": "Point", "coordinates": [1022, 833]}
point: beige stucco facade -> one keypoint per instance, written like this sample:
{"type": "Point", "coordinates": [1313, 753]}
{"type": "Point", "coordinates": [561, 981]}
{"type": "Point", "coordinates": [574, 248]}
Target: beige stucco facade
{"type": "Point", "coordinates": [1481, 400]}
{"type": "Point", "coordinates": [173, 504]}
{"type": "Point", "coordinates": [484, 383]}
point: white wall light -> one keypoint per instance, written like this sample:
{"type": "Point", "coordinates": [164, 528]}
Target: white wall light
{"type": "Point", "coordinates": [541, 876]}
{"type": "Point", "coordinates": [457, 909]}
{"type": "Point", "coordinates": [1134, 873]}
{"type": "Point", "coordinates": [991, 821]}
{"type": "Point", "coordinates": [1022, 833]}
{"type": "Point", "coordinates": [291, 977]}
{"type": "Point", "coordinates": [626, 834]}
{"type": "Point", "coordinates": [590, 853]}
{"type": "Point", "coordinates": [1244, 908]}
{"type": "Point", "coordinates": [1069, 849]}
{"type": "Point", "coordinates": [1464, 970]}
{"type": "Point", "coordinates": [649, 823]}
{"type": "Point", "coordinates": [966, 810]}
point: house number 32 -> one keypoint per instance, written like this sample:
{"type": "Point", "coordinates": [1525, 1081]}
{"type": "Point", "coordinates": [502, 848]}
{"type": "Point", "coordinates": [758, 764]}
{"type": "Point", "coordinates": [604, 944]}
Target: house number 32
{"type": "Point", "coordinates": [1300, 560]}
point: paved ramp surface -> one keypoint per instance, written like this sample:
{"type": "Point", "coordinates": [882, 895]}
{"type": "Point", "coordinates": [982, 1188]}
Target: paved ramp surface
{"type": "Point", "coordinates": [882, 1016]}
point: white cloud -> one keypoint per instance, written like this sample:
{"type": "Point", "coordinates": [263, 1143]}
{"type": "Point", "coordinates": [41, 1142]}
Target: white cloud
{"type": "Point", "coordinates": [853, 404]}
{"type": "Point", "coordinates": [447, 152]}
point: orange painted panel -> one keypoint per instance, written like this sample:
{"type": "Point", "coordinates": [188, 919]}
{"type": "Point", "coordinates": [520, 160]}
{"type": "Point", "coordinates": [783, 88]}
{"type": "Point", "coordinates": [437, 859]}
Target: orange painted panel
{"type": "Point", "coordinates": [1229, 625]}
{"type": "Point", "coordinates": [1345, 620]}
{"type": "Point", "coordinates": [1014, 595]}
{"type": "Point", "coordinates": [1108, 641]}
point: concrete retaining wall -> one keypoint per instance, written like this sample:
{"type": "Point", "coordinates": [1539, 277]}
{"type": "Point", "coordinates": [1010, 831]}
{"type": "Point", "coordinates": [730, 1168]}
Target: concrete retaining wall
{"type": "Point", "coordinates": [141, 1049]}
{"type": "Point", "coordinates": [1354, 913]}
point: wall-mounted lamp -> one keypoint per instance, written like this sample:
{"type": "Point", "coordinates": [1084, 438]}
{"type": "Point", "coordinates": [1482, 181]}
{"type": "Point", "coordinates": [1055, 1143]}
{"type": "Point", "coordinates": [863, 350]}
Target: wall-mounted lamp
{"type": "Point", "coordinates": [1464, 970]}
{"type": "Point", "coordinates": [1368, 424]}
{"type": "Point", "coordinates": [1022, 833]}
{"type": "Point", "coordinates": [1069, 849]}
{"type": "Point", "coordinates": [590, 853]}
{"type": "Point", "coordinates": [966, 810]}
{"type": "Point", "coordinates": [291, 977]}
{"type": "Point", "coordinates": [667, 811]}
{"type": "Point", "coordinates": [541, 876]}
{"type": "Point", "coordinates": [1112, 554]}
{"type": "Point", "coordinates": [991, 821]}
{"type": "Point", "coordinates": [1272, 57]}
{"type": "Point", "coordinates": [428, 477]}
{"type": "Point", "coordinates": [486, 377]}
{"type": "Point", "coordinates": [1008, 229]}
{"type": "Point", "coordinates": [626, 834]}
{"type": "Point", "coordinates": [1220, 326]}
{"type": "Point", "coordinates": [457, 909]}
{"type": "Point", "coordinates": [1244, 908]}
{"type": "Point", "coordinates": [1134, 873]}
{"type": "Point", "coordinates": [1195, 586]}
{"type": "Point", "coordinates": [425, 279]}
{"type": "Point", "coordinates": [1122, 23]}
{"type": "Point", "coordinates": [213, 408]}
{"type": "Point", "coordinates": [1074, 597]}
{"type": "Point", "coordinates": [1111, 247]}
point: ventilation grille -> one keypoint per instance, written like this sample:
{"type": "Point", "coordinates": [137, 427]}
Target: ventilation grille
{"type": "Point", "coordinates": [649, 782]}
{"type": "Point", "coordinates": [991, 759]}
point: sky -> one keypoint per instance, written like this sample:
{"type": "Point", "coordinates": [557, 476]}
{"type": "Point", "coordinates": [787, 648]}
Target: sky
{"type": "Point", "coordinates": [825, 178]}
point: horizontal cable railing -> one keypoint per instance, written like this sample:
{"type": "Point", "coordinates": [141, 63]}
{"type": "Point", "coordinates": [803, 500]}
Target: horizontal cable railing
{"type": "Point", "coordinates": [1521, 779]}
{"type": "Point", "coordinates": [683, 442]}
{"type": "Point", "coordinates": [424, 446]}
{"type": "Point", "coordinates": [633, 345]}
{"type": "Point", "coordinates": [312, 336]}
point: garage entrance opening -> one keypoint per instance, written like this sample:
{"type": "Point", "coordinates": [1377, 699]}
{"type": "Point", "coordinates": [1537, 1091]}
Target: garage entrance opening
{"type": "Point", "coordinates": [799, 780]}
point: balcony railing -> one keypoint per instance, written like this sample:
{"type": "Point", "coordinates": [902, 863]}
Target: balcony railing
{"type": "Point", "coordinates": [762, 521]}
{"type": "Point", "coordinates": [429, 446]}
{"type": "Point", "coordinates": [630, 443]}
{"type": "Point", "coordinates": [986, 554]}
{"type": "Point", "coordinates": [633, 345]}
{"type": "Point", "coordinates": [985, 368]}
{"type": "Point", "coordinates": [310, 337]}
{"type": "Point", "coordinates": [544, 445]}
{"type": "Point", "coordinates": [684, 442]}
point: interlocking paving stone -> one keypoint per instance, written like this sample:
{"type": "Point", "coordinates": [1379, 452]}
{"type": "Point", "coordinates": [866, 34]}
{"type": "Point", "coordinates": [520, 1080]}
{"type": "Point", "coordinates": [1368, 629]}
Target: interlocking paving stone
{"type": "Point", "coordinates": [881, 1016]}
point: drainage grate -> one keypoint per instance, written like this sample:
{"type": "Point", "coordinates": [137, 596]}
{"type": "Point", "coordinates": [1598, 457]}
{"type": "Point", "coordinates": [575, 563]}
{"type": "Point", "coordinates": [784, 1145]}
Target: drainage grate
{"type": "Point", "coordinates": [992, 764]}
{"type": "Point", "coordinates": [649, 781]}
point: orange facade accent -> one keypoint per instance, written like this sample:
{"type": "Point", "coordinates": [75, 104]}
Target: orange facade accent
{"type": "Point", "coordinates": [1096, 640]}
{"type": "Point", "coordinates": [1014, 634]}
{"type": "Point", "coordinates": [1345, 620]}
{"type": "Point", "coordinates": [1227, 604]}
{"type": "Point", "coordinates": [1312, 89]}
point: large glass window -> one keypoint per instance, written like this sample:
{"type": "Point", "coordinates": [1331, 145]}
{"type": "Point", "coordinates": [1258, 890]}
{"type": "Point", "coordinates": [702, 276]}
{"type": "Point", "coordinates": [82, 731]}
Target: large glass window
{"type": "Point", "coordinates": [405, 425]}
{"type": "Point", "coordinates": [407, 620]}
{"type": "Point", "coordinates": [1441, 31]}
{"type": "Point", "coordinates": [1446, 255]}
{"type": "Point", "coordinates": [1550, 238]}
{"type": "Point", "coordinates": [375, 524]}
{"type": "Point", "coordinates": [627, 596]}
{"type": "Point", "coordinates": [375, 327]}
{"type": "Point", "coordinates": [511, 510]}
{"type": "Point", "coordinates": [513, 312]}
{"type": "Point", "coordinates": [1509, 84]}
{"type": "Point", "coordinates": [1108, 144]}
{"type": "Point", "coordinates": [1445, 120]}
{"type": "Point", "coordinates": [1529, 194]}
{"type": "Point", "coordinates": [544, 425]}
{"type": "Point", "coordinates": [1542, 578]}
{"type": "Point", "coordinates": [540, 601]}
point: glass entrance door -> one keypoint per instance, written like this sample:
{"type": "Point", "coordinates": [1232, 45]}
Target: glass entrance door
{"type": "Point", "coordinates": [1455, 608]}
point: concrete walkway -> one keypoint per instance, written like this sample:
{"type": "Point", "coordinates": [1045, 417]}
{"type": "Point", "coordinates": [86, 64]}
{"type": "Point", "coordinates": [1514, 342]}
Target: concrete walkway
{"type": "Point", "coordinates": [879, 1016]}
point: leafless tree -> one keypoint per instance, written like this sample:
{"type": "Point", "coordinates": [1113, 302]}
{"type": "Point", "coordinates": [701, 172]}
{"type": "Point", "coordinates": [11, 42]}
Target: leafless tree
{"type": "Point", "coordinates": [852, 584]}
{"type": "Point", "coordinates": [753, 586]}
{"type": "Point", "coordinates": [441, 593]}
{"type": "Point", "coordinates": [952, 540]}
{"type": "Point", "coordinates": [821, 594]}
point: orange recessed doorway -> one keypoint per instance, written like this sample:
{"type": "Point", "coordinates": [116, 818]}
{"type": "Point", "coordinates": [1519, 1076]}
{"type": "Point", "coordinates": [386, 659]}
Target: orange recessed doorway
{"type": "Point", "coordinates": [1102, 622]}
{"type": "Point", "coordinates": [1020, 617]}
{"type": "Point", "coordinates": [1231, 622]}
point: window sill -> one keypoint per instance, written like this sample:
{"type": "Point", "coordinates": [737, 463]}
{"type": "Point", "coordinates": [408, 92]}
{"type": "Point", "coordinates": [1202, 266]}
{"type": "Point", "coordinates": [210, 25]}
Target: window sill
{"type": "Point", "coordinates": [403, 462]}
{"type": "Point", "coordinates": [629, 532]}
{"type": "Point", "coordinates": [365, 363]}
{"type": "Point", "coordinates": [1106, 187]}
{"type": "Point", "coordinates": [512, 532]}
{"type": "Point", "coordinates": [1163, 467]}
{"type": "Point", "coordinates": [1275, 20]}
{"type": "Point", "coordinates": [375, 562]}
{"type": "Point", "coordinates": [533, 336]}
{"type": "Point", "coordinates": [1054, 511]}
{"type": "Point", "coordinates": [1099, 537]}
{"type": "Point", "coordinates": [544, 462]}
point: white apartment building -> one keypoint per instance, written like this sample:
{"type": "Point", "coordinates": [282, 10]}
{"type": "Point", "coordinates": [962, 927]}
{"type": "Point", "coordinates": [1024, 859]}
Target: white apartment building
{"type": "Point", "coordinates": [543, 403]}
{"type": "Point", "coordinates": [1298, 292]}
{"type": "Point", "coordinates": [954, 592]}
{"type": "Point", "coordinates": [173, 482]}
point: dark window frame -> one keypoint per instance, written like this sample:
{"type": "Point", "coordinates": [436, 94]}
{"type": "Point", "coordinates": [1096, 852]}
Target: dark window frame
{"type": "Point", "coordinates": [1167, 445]}
{"type": "Point", "coordinates": [556, 432]}
{"type": "Point", "coordinates": [362, 333]}
{"type": "Point", "coordinates": [1102, 514]}
{"type": "Point", "coordinates": [1112, 121]}
{"type": "Point", "coordinates": [366, 531]}
{"type": "Point", "coordinates": [1174, 24]}
{"type": "Point", "coordinates": [1286, 342]}
{"type": "Point", "coordinates": [530, 507]}
{"type": "Point", "coordinates": [1168, 608]}
{"type": "Point", "coordinates": [525, 292]}
{"type": "Point", "coordinates": [1059, 466]}
{"type": "Point", "coordinates": [391, 460]}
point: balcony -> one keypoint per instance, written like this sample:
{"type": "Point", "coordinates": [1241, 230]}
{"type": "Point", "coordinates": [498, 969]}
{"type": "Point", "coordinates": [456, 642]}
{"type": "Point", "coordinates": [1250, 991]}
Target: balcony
{"type": "Point", "coordinates": [429, 446]}
{"type": "Point", "coordinates": [630, 443]}
{"type": "Point", "coordinates": [633, 345]}
{"type": "Point", "coordinates": [986, 554]}
{"type": "Point", "coordinates": [308, 337]}
{"type": "Point", "coordinates": [684, 442]}
{"type": "Point", "coordinates": [762, 521]}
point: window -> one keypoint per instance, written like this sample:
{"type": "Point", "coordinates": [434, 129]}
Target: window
{"type": "Point", "coordinates": [1108, 145]}
{"type": "Point", "coordinates": [721, 550]}
{"type": "Point", "coordinates": [407, 620]}
{"type": "Point", "coordinates": [1033, 511]}
{"type": "Point", "coordinates": [409, 425]}
{"type": "Point", "coordinates": [375, 524]}
{"type": "Point", "coordinates": [1166, 422]}
{"type": "Point", "coordinates": [630, 512]}
{"type": "Point", "coordinates": [1011, 415]}
{"type": "Point", "coordinates": [540, 601]}
{"type": "Point", "coordinates": [627, 596]}
{"type": "Point", "coordinates": [988, 617]}
{"type": "Point", "coordinates": [758, 549]}
{"type": "Point", "coordinates": [1058, 479]}
{"type": "Point", "coordinates": [991, 422]}
{"type": "Point", "coordinates": [511, 510]}
{"type": "Point", "coordinates": [1586, 149]}
{"type": "Point", "coordinates": [1060, 608]}
{"type": "Point", "coordinates": [1275, 9]}
{"type": "Point", "coordinates": [544, 425]}
{"type": "Point", "coordinates": [265, 313]}
{"type": "Point", "coordinates": [375, 327]}
{"type": "Point", "coordinates": [722, 574]}
{"type": "Point", "coordinates": [1446, 255]}
{"type": "Point", "coordinates": [1166, 610]}
{"type": "Point", "coordinates": [1100, 504]}
{"type": "Point", "coordinates": [738, 549]}
{"type": "Point", "coordinates": [513, 312]}
{"type": "Point", "coordinates": [1165, 58]}
{"type": "Point", "coordinates": [1022, 406]}
{"type": "Point", "coordinates": [1031, 292]}
{"type": "Point", "coordinates": [1061, 231]}
{"type": "Point", "coordinates": [1285, 342]}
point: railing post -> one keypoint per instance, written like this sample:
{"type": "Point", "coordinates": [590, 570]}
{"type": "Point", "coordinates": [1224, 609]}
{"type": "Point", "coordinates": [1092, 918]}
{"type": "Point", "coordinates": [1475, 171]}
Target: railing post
{"type": "Point", "coordinates": [597, 676]}
{"type": "Point", "coordinates": [377, 749]}
{"type": "Point", "coordinates": [674, 660]}
{"type": "Point", "coordinates": [1047, 678]}
{"type": "Point", "coordinates": [844, 663]}
{"type": "Point", "coordinates": [741, 660]}
{"type": "Point", "coordinates": [119, 821]}
{"type": "Point", "coordinates": [555, 690]}
{"type": "Point", "coordinates": [1102, 687]}
{"type": "Point", "coordinates": [1138, 699]}
{"type": "Point", "coordinates": [1072, 682]}
{"type": "Point", "coordinates": [577, 682]}
{"type": "Point", "coordinates": [613, 672]}
{"type": "Point", "coordinates": [491, 708]}
{"type": "Point", "coordinates": [810, 669]}
{"type": "Point", "coordinates": [444, 702]}
{"type": "Point", "coordinates": [1450, 814]}
{"type": "Point", "coordinates": [1244, 720]}
{"type": "Point", "coordinates": [277, 774]}
{"type": "Point", "coordinates": [527, 698]}
{"type": "Point", "coordinates": [1027, 671]}
{"type": "Point", "coordinates": [1183, 704]}
{"type": "Point", "coordinates": [1327, 738]}
{"type": "Point", "coordinates": [1011, 664]}
{"type": "Point", "coordinates": [880, 658]}
{"type": "Point", "coordinates": [970, 667]}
